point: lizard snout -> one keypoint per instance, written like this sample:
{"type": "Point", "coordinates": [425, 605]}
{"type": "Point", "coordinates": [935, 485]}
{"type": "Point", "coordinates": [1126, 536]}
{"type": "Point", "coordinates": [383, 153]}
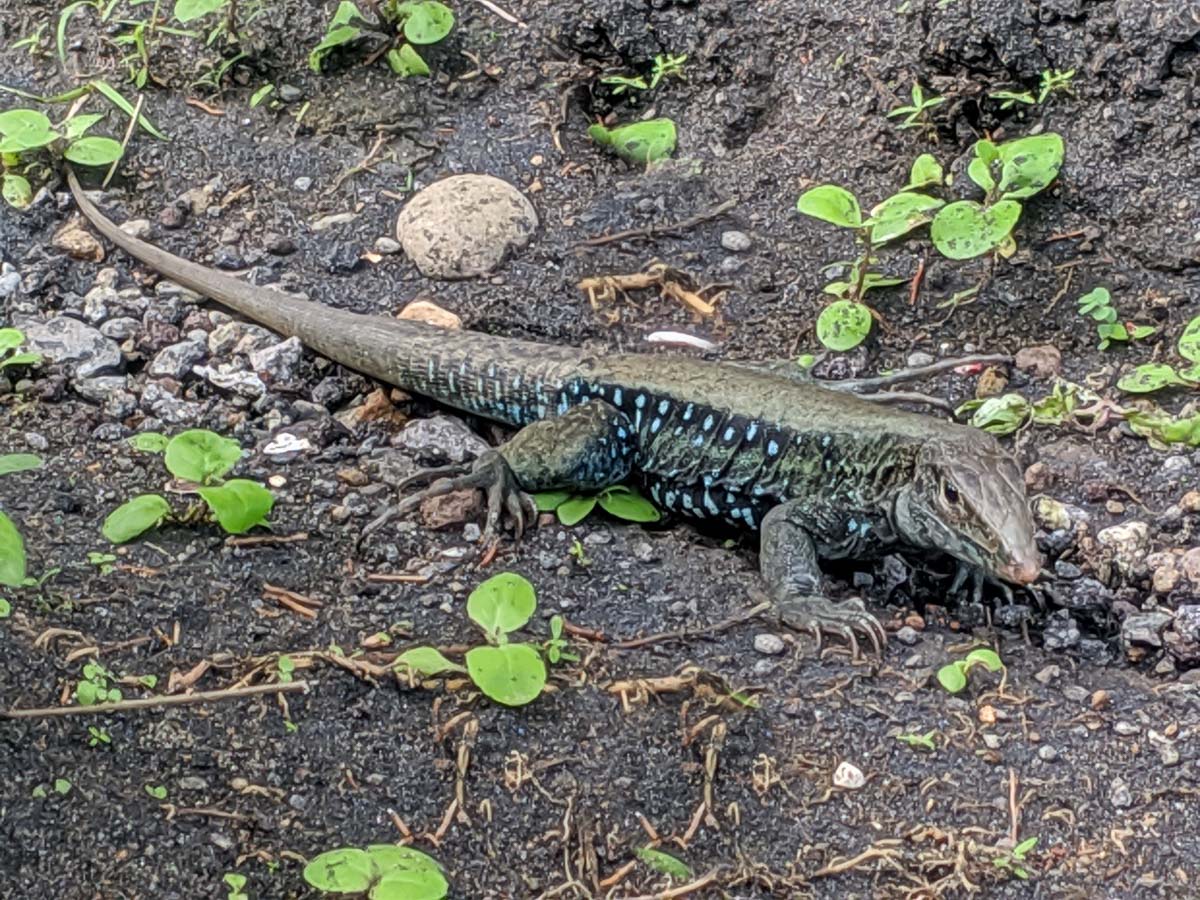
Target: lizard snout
{"type": "Point", "coordinates": [1021, 571]}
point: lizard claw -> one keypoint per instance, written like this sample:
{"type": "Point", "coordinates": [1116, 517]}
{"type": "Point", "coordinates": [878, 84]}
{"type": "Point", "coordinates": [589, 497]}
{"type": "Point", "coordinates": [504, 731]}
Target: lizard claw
{"type": "Point", "coordinates": [489, 473]}
{"type": "Point", "coordinates": [845, 620]}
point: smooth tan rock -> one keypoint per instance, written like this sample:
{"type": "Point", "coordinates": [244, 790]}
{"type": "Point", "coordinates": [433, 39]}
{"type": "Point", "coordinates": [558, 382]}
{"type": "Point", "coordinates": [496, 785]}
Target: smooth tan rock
{"type": "Point", "coordinates": [465, 226]}
{"type": "Point", "coordinates": [430, 314]}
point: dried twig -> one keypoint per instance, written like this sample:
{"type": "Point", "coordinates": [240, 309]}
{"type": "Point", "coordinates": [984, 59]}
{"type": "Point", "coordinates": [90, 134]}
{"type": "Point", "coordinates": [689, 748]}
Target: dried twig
{"type": "Point", "coordinates": [651, 231]}
{"type": "Point", "coordinates": [51, 712]}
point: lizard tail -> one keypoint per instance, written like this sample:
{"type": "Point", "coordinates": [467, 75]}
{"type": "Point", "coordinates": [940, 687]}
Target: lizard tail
{"type": "Point", "coordinates": [500, 378]}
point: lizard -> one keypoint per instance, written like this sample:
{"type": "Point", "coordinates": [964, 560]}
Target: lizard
{"type": "Point", "coordinates": [819, 473]}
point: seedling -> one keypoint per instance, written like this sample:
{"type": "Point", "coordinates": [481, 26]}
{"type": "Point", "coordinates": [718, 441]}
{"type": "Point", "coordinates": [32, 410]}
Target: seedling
{"type": "Point", "coordinates": [1097, 304]}
{"type": "Point", "coordinates": [619, 501]}
{"type": "Point", "coordinates": [201, 458]}
{"type": "Point", "coordinates": [556, 647]}
{"type": "Point", "coordinates": [285, 666]}
{"type": "Point", "coordinates": [95, 687]}
{"type": "Point", "coordinates": [156, 791]}
{"type": "Point", "coordinates": [25, 132]}
{"type": "Point", "coordinates": [98, 736]}
{"type": "Point", "coordinates": [1012, 861]}
{"type": "Point", "coordinates": [1009, 99]}
{"type": "Point", "coordinates": [953, 677]}
{"type": "Point", "coordinates": [381, 872]}
{"type": "Point", "coordinates": [1056, 81]}
{"type": "Point", "coordinates": [102, 561]}
{"type": "Point", "coordinates": [422, 22]}
{"type": "Point", "coordinates": [236, 884]}
{"type": "Point", "coordinates": [640, 142]}
{"type": "Point", "coordinates": [11, 339]}
{"type": "Point", "coordinates": [666, 65]}
{"type": "Point", "coordinates": [919, 741]}
{"type": "Point", "coordinates": [917, 114]}
{"type": "Point", "coordinates": [620, 84]}
{"type": "Point", "coordinates": [1150, 377]}
{"type": "Point", "coordinates": [12, 545]}
{"type": "Point", "coordinates": [512, 674]}
{"type": "Point", "coordinates": [664, 863]}
{"type": "Point", "coordinates": [579, 554]}
{"type": "Point", "coordinates": [1009, 413]}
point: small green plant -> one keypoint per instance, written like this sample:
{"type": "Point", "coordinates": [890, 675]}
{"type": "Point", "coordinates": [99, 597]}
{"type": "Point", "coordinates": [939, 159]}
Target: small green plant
{"type": "Point", "coordinates": [1012, 861]}
{"type": "Point", "coordinates": [31, 42]}
{"type": "Point", "coordinates": [380, 872]}
{"type": "Point", "coordinates": [640, 142]}
{"type": "Point", "coordinates": [1055, 81]}
{"type": "Point", "coordinates": [1007, 173]}
{"type": "Point", "coordinates": [62, 786]}
{"type": "Point", "coordinates": [102, 561]}
{"type": "Point", "coordinates": [621, 84]}
{"type": "Point", "coordinates": [156, 791]}
{"type": "Point", "coordinates": [95, 686]}
{"type": "Point", "coordinates": [13, 570]}
{"type": "Point", "coordinates": [953, 677]}
{"type": "Point", "coordinates": [1150, 377]}
{"type": "Point", "coordinates": [1009, 99]}
{"type": "Point", "coordinates": [919, 741]}
{"type": "Point", "coordinates": [11, 340]}
{"type": "Point", "coordinates": [202, 458]}
{"type": "Point", "coordinates": [421, 23]}
{"type": "Point", "coordinates": [25, 132]}
{"type": "Point", "coordinates": [285, 668]}
{"type": "Point", "coordinates": [512, 674]}
{"type": "Point", "coordinates": [1097, 304]}
{"type": "Point", "coordinates": [18, 462]}
{"type": "Point", "coordinates": [98, 736]}
{"type": "Point", "coordinates": [619, 501]}
{"type": "Point", "coordinates": [664, 863]}
{"type": "Point", "coordinates": [665, 65]}
{"type": "Point", "coordinates": [556, 646]}
{"type": "Point", "coordinates": [1009, 413]}
{"type": "Point", "coordinates": [237, 886]}
{"type": "Point", "coordinates": [917, 115]}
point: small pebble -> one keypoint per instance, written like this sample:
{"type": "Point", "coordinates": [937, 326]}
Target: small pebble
{"type": "Point", "coordinates": [303, 184]}
{"type": "Point", "coordinates": [907, 635]}
{"type": "Point", "coordinates": [848, 777]}
{"type": "Point", "coordinates": [769, 644]}
{"type": "Point", "coordinates": [1047, 753]}
{"type": "Point", "coordinates": [735, 241]}
{"type": "Point", "coordinates": [1125, 729]}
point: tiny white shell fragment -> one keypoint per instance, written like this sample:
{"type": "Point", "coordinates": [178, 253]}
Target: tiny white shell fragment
{"type": "Point", "coordinates": [287, 443]}
{"type": "Point", "coordinates": [849, 776]}
{"type": "Point", "coordinates": [679, 337]}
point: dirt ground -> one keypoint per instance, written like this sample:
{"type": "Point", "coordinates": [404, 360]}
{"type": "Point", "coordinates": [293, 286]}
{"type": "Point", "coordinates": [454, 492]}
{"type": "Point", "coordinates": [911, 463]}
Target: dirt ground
{"type": "Point", "coordinates": [1091, 743]}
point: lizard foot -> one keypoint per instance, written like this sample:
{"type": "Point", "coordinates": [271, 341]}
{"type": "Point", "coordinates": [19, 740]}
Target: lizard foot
{"type": "Point", "coordinates": [489, 473]}
{"type": "Point", "coordinates": [820, 616]}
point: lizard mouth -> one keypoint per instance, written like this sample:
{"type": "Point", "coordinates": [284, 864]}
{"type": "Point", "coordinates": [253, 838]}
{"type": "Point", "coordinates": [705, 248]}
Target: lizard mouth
{"type": "Point", "coordinates": [1021, 571]}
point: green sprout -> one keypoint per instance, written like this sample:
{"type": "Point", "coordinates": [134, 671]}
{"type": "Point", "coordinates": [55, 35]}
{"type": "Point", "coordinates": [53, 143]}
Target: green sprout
{"type": "Point", "coordinates": [1097, 304]}
{"type": "Point", "coordinates": [1056, 81]}
{"type": "Point", "coordinates": [919, 741]}
{"type": "Point", "coordinates": [379, 872]}
{"type": "Point", "coordinates": [619, 501]}
{"type": "Point", "coordinates": [916, 115]}
{"type": "Point", "coordinates": [1012, 860]}
{"type": "Point", "coordinates": [953, 677]}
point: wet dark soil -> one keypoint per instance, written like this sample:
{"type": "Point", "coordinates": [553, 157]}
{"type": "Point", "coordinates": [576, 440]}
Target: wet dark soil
{"type": "Point", "coordinates": [1091, 746]}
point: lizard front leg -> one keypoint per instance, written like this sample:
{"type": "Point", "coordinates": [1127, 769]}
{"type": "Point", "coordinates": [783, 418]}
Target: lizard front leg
{"type": "Point", "coordinates": [587, 448]}
{"type": "Point", "coordinates": [788, 562]}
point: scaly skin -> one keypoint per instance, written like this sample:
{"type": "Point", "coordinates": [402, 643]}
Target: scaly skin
{"type": "Point", "coordinates": [822, 473]}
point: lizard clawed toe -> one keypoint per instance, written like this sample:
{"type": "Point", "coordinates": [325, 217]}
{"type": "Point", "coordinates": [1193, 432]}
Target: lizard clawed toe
{"type": "Point", "coordinates": [820, 616]}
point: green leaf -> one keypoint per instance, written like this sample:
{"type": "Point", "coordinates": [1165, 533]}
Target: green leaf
{"type": "Point", "coordinates": [872, 280]}
{"type": "Point", "coordinates": [158, 792]}
{"type": "Point", "coordinates": [641, 142]}
{"type": "Point", "coordinates": [926, 171]}
{"type": "Point", "coordinates": [12, 553]}
{"type": "Point", "coordinates": [344, 871]}
{"type": "Point", "coordinates": [512, 674]}
{"type": "Point", "coordinates": [843, 325]}
{"type": "Point", "coordinates": [239, 504]}
{"type": "Point", "coordinates": [16, 190]}
{"type": "Point", "coordinates": [502, 604]}
{"type": "Point", "coordinates": [831, 204]}
{"type": "Point", "coordinates": [62, 786]}
{"type": "Point", "coordinates": [261, 94]}
{"type": "Point", "coordinates": [900, 214]}
{"type": "Point", "coordinates": [1094, 303]}
{"type": "Point", "coordinates": [1189, 341]}
{"type": "Point", "coordinates": [964, 230]}
{"type": "Point", "coordinates": [575, 510]}
{"type": "Point", "coordinates": [115, 97]}
{"type": "Point", "coordinates": [94, 151]}
{"type": "Point", "coordinates": [989, 659]}
{"type": "Point", "coordinates": [18, 462]}
{"type": "Point", "coordinates": [134, 517]}
{"type": "Point", "coordinates": [335, 37]}
{"type": "Point", "coordinates": [149, 442]}
{"type": "Point", "coordinates": [5, 608]}
{"type": "Point", "coordinates": [1140, 332]}
{"type": "Point", "coordinates": [88, 693]}
{"type": "Point", "coordinates": [952, 677]}
{"type": "Point", "coordinates": [1023, 848]}
{"type": "Point", "coordinates": [10, 339]}
{"type": "Point", "coordinates": [189, 10]}
{"type": "Point", "coordinates": [1001, 415]}
{"type": "Point", "coordinates": [549, 501]}
{"type": "Point", "coordinates": [76, 126]}
{"type": "Point", "coordinates": [405, 874]}
{"type": "Point", "coordinates": [428, 22]}
{"type": "Point", "coordinates": [987, 152]}
{"type": "Point", "coordinates": [426, 661]}
{"type": "Point", "coordinates": [664, 863]}
{"type": "Point", "coordinates": [25, 129]}
{"type": "Point", "coordinates": [629, 505]}
{"type": "Point", "coordinates": [1148, 378]}
{"type": "Point", "coordinates": [201, 456]}
{"type": "Point", "coordinates": [1029, 164]}
{"type": "Point", "coordinates": [980, 173]}
{"type": "Point", "coordinates": [1111, 331]}
{"type": "Point", "coordinates": [406, 61]}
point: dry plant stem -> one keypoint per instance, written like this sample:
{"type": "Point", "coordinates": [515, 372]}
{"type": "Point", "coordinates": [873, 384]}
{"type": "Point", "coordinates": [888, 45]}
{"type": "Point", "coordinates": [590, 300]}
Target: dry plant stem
{"type": "Point", "coordinates": [133, 120]}
{"type": "Point", "coordinates": [682, 891]}
{"type": "Point", "coordinates": [653, 230]}
{"type": "Point", "coordinates": [51, 712]}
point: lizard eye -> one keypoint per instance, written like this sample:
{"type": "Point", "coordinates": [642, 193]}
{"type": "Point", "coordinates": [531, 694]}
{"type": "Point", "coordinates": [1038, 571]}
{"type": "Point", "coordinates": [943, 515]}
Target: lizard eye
{"type": "Point", "coordinates": [950, 492]}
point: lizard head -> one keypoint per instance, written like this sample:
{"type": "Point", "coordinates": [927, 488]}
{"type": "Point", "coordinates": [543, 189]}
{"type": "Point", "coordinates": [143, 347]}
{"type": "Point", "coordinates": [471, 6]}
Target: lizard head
{"type": "Point", "coordinates": [967, 498]}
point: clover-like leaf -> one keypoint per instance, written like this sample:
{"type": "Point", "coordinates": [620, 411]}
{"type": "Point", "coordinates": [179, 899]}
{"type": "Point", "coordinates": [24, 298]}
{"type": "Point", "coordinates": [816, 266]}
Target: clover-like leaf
{"type": "Point", "coordinates": [626, 503]}
{"type": "Point", "coordinates": [347, 870]}
{"type": "Point", "coordinates": [25, 129]}
{"type": "Point", "coordinates": [1029, 164]}
{"type": "Point", "coordinates": [989, 659]}
{"type": "Point", "coordinates": [239, 504]}
{"type": "Point", "coordinates": [201, 456]}
{"type": "Point", "coordinates": [926, 171]}
{"type": "Point", "coordinates": [512, 674]}
{"type": "Point", "coordinates": [831, 204]}
{"type": "Point", "coordinates": [502, 604]}
{"type": "Point", "coordinates": [16, 190]}
{"type": "Point", "coordinates": [575, 510]}
{"type": "Point", "coordinates": [549, 501]}
{"type": "Point", "coordinates": [952, 677]}
{"type": "Point", "coordinates": [428, 21]}
{"type": "Point", "coordinates": [965, 229]}
{"type": "Point", "coordinates": [843, 325]}
{"type": "Point", "coordinates": [406, 61]}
